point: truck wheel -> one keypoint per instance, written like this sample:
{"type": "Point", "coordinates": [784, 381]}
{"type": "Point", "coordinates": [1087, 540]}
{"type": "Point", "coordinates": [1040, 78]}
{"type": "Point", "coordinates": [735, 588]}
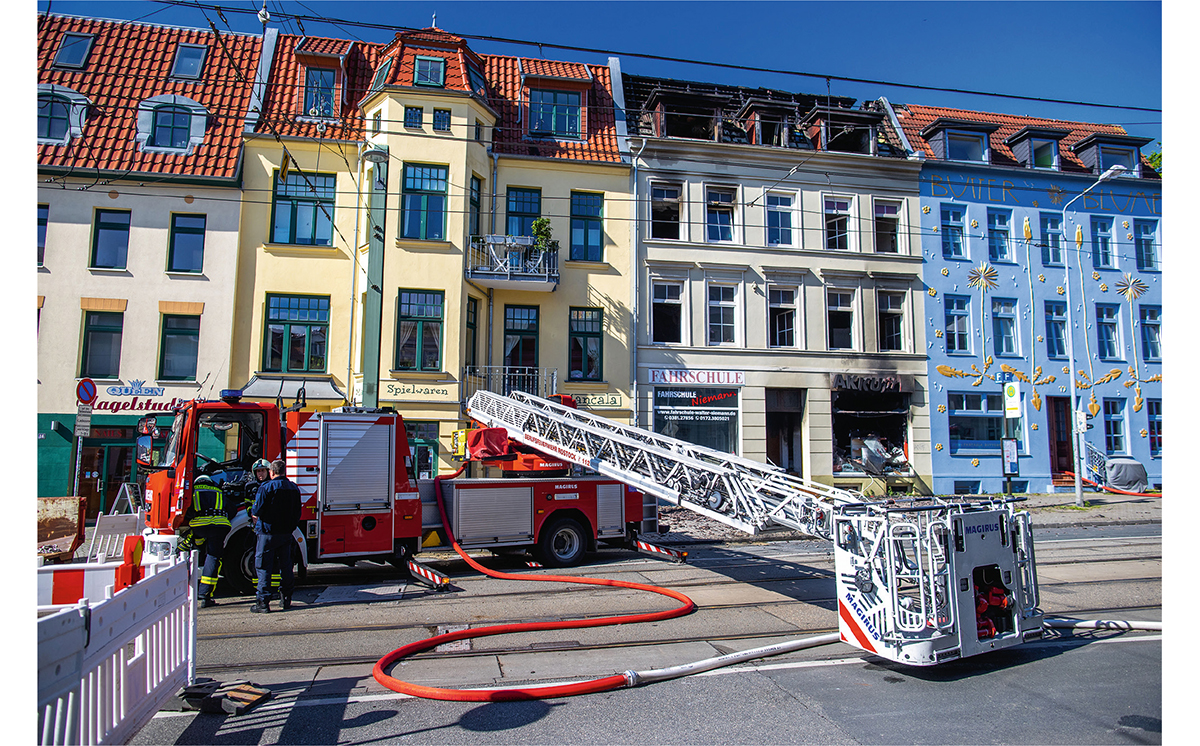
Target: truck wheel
{"type": "Point", "coordinates": [238, 563]}
{"type": "Point", "coordinates": [562, 543]}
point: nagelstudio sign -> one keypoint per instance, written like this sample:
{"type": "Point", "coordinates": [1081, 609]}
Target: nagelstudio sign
{"type": "Point", "coordinates": [136, 397]}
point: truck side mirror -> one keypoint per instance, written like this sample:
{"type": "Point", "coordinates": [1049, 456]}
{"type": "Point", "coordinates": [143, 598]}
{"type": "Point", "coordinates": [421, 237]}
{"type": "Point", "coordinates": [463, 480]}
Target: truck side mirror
{"type": "Point", "coordinates": [145, 450]}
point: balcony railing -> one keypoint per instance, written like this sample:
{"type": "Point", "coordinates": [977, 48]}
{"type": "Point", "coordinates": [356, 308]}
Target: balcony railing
{"type": "Point", "coordinates": [504, 380]}
{"type": "Point", "coordinates": [513, 263]}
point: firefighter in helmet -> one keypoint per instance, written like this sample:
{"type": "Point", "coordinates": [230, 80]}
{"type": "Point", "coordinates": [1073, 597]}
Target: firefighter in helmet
{"type": "Point", "coordinates": [261, 472]}
{"type": "Point", "coordinates": [209, 525]}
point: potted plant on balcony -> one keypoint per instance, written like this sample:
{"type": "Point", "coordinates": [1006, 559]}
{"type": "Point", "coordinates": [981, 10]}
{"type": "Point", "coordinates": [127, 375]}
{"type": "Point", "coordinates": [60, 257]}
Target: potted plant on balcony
{"type": "Point", "coordinates": [543, 239]}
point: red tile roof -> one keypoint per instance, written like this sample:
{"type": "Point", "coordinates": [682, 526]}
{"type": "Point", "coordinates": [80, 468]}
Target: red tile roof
{"type": "Point", "coordinates": [553, 69]}
{"type": "Point", "coordinates": [315, 45]}
{"type": "Point", "coordinates": [131, 62]}
{"type": "Point", "coordinates": [914, 118]}
{"type": "Point", "coordinates": [284, 100]}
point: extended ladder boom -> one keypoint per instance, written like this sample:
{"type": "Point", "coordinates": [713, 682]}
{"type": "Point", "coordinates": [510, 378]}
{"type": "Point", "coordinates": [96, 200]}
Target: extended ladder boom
{"type": "Point", "coordinates": [736, 491]}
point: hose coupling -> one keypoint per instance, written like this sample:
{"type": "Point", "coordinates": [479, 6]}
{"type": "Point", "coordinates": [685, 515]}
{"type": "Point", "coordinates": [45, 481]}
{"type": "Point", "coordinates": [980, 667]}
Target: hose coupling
{"type": "Point", "coordinates": [631, 679]}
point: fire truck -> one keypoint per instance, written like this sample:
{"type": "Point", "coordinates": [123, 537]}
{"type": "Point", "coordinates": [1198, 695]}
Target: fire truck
{"type": "Point", "coordinates": [361, 497]}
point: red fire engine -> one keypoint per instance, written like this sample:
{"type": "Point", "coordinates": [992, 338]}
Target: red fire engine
{"type": "Point", "coordinates": [362, 500]}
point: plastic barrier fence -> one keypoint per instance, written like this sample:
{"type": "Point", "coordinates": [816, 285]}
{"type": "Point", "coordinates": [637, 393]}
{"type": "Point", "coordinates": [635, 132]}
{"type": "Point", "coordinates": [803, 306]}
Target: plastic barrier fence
{"type": "Point", "coordinates": [105, 667]}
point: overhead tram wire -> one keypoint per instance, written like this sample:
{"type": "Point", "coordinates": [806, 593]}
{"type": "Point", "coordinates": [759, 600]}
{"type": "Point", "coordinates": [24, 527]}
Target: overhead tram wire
{"type": "Point", "coordinates": [686, 61]}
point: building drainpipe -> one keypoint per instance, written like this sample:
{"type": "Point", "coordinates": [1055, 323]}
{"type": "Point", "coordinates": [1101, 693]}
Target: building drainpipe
{"type": "Point", "coordinates": [636, 300]}
{"type": "Point", "coordinates": [373, 306]}
{"type": "Point", "coordinates": [492, 231]}
{"type": "Point", "coordinates": [354, 276]}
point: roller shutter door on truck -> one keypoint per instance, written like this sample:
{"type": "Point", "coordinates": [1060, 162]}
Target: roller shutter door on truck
{"type": "Point", "coordinates": [356, 464]}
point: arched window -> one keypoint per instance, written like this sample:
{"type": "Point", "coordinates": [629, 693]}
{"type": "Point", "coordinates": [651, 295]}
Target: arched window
{"type": "Point", "coordinates": [54, 117]}
{"type": "Point", "coordinates": [172, 127]}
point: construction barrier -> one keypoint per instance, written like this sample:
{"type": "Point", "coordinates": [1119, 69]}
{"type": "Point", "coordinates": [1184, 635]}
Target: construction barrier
{"type": "Point", "coordinates": [108, 663]}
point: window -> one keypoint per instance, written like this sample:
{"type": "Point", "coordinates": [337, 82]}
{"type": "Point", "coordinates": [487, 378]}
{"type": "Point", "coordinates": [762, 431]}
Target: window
{"type": "Point", "coordinates": [837, 224]}
{"type": "Point", "coordinates": [430, 71]}
{"type": "Point", "coordinates": [1114, 426]}
{"type": "Point", "coordinates": [476, 199]}
{"type": "Point", "coordinates": [719, 204]}
{"type": "Point", "coordinates": [953, 217]}
{"type": "Point", "coordinates": [423, 445]}
{"type": "Point", "coordinates": [998, 244]}
{"type": "Point", "coordinates": [891, 321]}
{"type": "Point", "coordinates": [1154, 425]}
{"type": "Point", "coordinates": [441, 120]}
{"type": "Point", "coordinates": [101, 344]}
{"type": "Point", "coordinates": [419, 330]}
{"type": "Point", "coordinates": [472, 335]}
{"type": "Point", "coordinates": [54, 118]}
{"type": "Point", "coordinates": [73, 50]}
{"type": "Point", "coordinates": [1056, 328]}
{"type": "Point", "coordinates": [554, 112]}
{"type": "Point", "coordinates": [1146, 246]}
{"type": "Point", "coordinates": [524, 207]}
{"type": "Point", "coordinates": [424, 205]}
{"type": "Point", "coordinates": [961, 146]}
{"type": "Point", "coordinates": [587, 234]}
{"type": "Point", "coordinates": [1151, 324]}
{"type": "Point", "coordinates": [110, 239]}
{"type": "Point", "coordinates": [666, 313]}
{"type": "Point", "coordinates": [43, 219]}
{"type": "Point", "coordinates": [172, 127]}
{"type": "Point", "coordinates": [180, 348]}
{"type": "Point", "coordinates": [186, 251]}
{"type": "Point", "coordinates": [1004, 326]}
{"type": "Point", "coordinates": [318, 91]}
{"type": "Point", "coordinates": [478, 131]}
{"type": "Point", "coordinates": [779, 220]}
{"type": "Point", "coordinates": [781, 317]}
{"type": "Point", "coordinates": [721, 314]}
{"type": "Point", "coordinates": [381, 74]}
{"type": "Point", "coordinates": [520, 336]}
{"type": "Point", "coordinates": [887, 227]}
{"type": "Point", "coordinates": [377, 122]}
{"type": "Point", "coordinates": [414, 116]}
{"type": "Point", "coordinates": [303, 209]}
{"type": "Point", "coordinates": [189, 61]}
{"type": "Point", "coordinates": [1108, 345]}
{"type": "Point", "coordinates": [840, 315]}
{"type": "Point", "coordinates": [958, 323]}
{"type": "Point", "coordinates": [1102, 248]}
{"type": "Point", "coordinates": [1110, 157]}
{"type": "Point", "coordinates": [664, 211]}
{"type": "Point", "coordinates": [295, 339]}
{"type": "Point", "coordinates": [1052, 252]}
{"type": "Point", "coordinates": [585, 341]}
{"type": "Point", "coordinates": [1045, 153]}
{"type": "Point", "coordinates": [977, 421]}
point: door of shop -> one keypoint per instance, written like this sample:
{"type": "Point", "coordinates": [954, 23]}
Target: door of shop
{"type": "Point", "coordinates": [785, 411]}
{"type": "Point", "coordinates": [102, 471]}
{"type": "Point", "coordinates": [1061, 451]}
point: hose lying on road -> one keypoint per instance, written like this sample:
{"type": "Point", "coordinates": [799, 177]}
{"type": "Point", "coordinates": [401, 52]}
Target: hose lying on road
{"type": "Point", "coordinates": [616, 681]}
{"type": "Point", "coordinates": [1113, 489]}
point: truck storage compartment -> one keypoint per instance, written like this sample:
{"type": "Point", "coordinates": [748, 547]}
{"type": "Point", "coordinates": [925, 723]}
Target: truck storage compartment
{"type": "Point", "coordinates": [356, 463]}
{"type": "Point", "coordinates": [480, 512]}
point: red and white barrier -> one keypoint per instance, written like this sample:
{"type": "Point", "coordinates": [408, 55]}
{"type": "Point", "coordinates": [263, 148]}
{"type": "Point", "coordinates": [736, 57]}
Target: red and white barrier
{"type": "Point", "coordinates": [432, 577]}
{"type": "Point", "coordinates": [674, 555]}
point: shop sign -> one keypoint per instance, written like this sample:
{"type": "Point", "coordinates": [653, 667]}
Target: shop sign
{"type": "Point", "coordinates": [597, 401]}
{"type": "Point", "coordinates": [135, 388]}
{"type": "Point", "coordinates": [422, 392]}
{"type": "Point", "coordinates": [873, 384]}
{"type": "Point", "coordinates": [682, 376]}
{"type": "Point", "coordinates": [138, 404]}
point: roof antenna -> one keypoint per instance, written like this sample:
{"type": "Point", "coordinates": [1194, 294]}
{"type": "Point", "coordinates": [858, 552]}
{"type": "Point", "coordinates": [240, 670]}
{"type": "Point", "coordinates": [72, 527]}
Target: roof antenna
{"type": "Point", "coordinates": [264, 16]}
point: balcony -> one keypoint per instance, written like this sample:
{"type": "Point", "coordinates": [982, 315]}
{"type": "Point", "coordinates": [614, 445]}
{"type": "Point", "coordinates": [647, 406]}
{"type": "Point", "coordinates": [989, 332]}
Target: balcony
{"type": "Point", "coordinates": [503, 380]}
{"type": "Point", "coordinates": [513, 263]}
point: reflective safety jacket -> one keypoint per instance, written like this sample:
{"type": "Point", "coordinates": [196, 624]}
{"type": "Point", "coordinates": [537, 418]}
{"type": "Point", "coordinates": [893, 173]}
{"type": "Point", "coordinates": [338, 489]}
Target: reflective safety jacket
{"type": "Point", "coordinates": [208, 506]}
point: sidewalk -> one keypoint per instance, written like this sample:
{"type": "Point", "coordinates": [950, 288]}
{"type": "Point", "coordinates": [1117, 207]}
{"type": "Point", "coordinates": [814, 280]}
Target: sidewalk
{"type": "Point", "coordinates": [1058, 509]}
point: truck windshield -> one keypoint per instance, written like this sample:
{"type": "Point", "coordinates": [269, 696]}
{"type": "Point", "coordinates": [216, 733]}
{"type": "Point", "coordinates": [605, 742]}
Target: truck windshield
{"type": "Point", "coordinates": [228, 443]}
{"type": "Point", "coordinates": [172, 453]}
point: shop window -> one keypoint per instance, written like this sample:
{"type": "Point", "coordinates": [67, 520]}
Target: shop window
{"type": "Point", "coordinates": [424, 206]}
{"type": "Point", "coordinates": [523, 207]}
{"type": "Point", "coordinates": [958, 323]}
{"type": "Point", "coordinates": [976, 422]}
{"type": "Point", "coordinates": [722, 314]}
{"type": "Point", "coordinates": [666, 313]}
{"type": "Point", "coordinates": [779, 220]}
{"type": "Point", "coordinates": [180, 348]}
{"type": "Point", "coordinates": [585, 344]}
{"type": "Point", "coordinates": [297, 327]}
{"type": "Point", "coordinates": [891, 321]}
{"type": "Point", "coordinates": [870, 432]}
{"type": "Point", "coordinates": [419, 330]}
{"type": "Point", "coordinates": [781, 317]}
{"type": "Point", "coordinates": [302, 207]}
{"type": "Point", "coordinates": [840, 319]}
{"type": "Point", "coordinates": [1114, 427]}
{"type": "Point", "coordinates": [110, 239]}
{"type": "Point", "coordinates": [887, 227]}
{"type": "Point", "coordinates": [1151, 323]}
{"type": "Point", "coordinates": [701, 416]}
{"type": "Point", "coordinates": [1052, 252]}
{"type": "Point", "coordinates": [186, 250]}
{"type": "Point", "coordinates": [1004, 327]}
{"type": "Point", "coordinates": [664, 210]}
{"type": "Point", "coordinates": [102, 344]}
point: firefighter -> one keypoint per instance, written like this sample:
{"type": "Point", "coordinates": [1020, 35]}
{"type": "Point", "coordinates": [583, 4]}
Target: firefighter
{"type": "Point", "coordinates": [259, 474]}
{"type": "Point", "coordinates": [209, 526]}
{"type": "Point", "coordinates": [276, 511]}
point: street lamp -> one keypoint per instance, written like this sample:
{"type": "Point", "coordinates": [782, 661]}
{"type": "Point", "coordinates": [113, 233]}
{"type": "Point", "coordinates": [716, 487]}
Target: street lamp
{"type": "Point", "coordinates": [1076, 431]}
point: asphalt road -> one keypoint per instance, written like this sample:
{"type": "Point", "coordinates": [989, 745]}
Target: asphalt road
{"type": "Point", "coordinates": [1082, 688]}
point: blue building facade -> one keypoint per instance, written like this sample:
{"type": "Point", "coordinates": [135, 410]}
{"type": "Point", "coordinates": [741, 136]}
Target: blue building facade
{"type": "Point", "coordinates": [1010, 277]}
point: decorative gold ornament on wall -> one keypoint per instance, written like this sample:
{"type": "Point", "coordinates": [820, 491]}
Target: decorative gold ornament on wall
{"type": "Point", "coordinates": [974, 462]}
{"type": "Point", "coordinates": [925, 209]}
{"type": "Point", "coordinates": [945, 272]}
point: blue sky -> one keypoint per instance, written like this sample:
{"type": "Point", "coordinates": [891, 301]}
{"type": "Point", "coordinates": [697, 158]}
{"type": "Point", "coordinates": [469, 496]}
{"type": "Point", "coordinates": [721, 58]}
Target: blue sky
{"type": "Point", "coordinates": [1057, 50]}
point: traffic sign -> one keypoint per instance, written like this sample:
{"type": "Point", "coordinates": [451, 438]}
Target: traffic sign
{"type": "Point", "coordinates": [86, 391]}
{"type": "Point", "coordinates": [83, 421]}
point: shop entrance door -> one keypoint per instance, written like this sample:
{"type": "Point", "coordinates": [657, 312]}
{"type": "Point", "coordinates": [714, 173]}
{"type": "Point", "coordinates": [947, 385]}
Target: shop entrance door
{"type": "Point", "coordinates": [102, 471]}
{"type": "Point", "coordinates": [1062, 452]}
{"type": "Point", "coordinates": [785, 412]}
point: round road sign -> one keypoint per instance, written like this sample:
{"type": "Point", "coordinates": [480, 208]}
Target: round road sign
{"type": "Point", "coordinates": [85, 391]}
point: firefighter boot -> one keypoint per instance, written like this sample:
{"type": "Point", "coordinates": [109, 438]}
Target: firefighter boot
{"type": "Point", "coordinates": [286, 602]}
{"type": "Point", "coordinates": [261, 607]}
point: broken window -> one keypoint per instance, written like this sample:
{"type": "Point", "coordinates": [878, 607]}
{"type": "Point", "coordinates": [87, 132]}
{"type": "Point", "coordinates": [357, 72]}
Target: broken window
{"type": "Point", "coordinates": [664, 210]}
{"type": "Point", "coordinates": [694, 124]}
{"type": "Point", "coordinates": [870, 433]}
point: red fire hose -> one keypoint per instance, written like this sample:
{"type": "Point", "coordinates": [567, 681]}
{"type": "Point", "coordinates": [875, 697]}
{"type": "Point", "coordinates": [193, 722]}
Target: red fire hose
{"type": "Point", "coordinates": [1114, 489]}
{"type": "Point", "coordinates": [592, 686]}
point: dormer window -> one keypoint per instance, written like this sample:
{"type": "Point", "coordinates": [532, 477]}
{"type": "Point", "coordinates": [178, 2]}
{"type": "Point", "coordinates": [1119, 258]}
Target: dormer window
{"type": "Point", "coordinates": [965, 146]}
{"type": "Point", "coordinates": [1110, 156]}
{"type": "Point", "coordinates": [73, 50]}
{"type": "Point", "coordinates": [381, 74]}
{"type": "Point", "coordinates": [1037, 147]}
{"type": "Point", "coordinates": [554, 112]}
{"type": "Point", "coordinates": [1045, 153]}
{"type": "Point", "coordinates": [60, 114]}
{"type": "Point", "coordinates": [960, 139]}
{"type": "Point", "coordinates": [318, 91]}
{"type": "Point", "coordinates": [172, 127]}
{"type": "Point", "coordinates": [478, 83]}
{"type": "Point", "coordinates": [1101, 151]}
{"type": "Point", "coordinates": [189, 61]}
{"type": "Point", "coordinates": [430, 71]}
{"type": "Point", "coordinates": [171, 124]}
